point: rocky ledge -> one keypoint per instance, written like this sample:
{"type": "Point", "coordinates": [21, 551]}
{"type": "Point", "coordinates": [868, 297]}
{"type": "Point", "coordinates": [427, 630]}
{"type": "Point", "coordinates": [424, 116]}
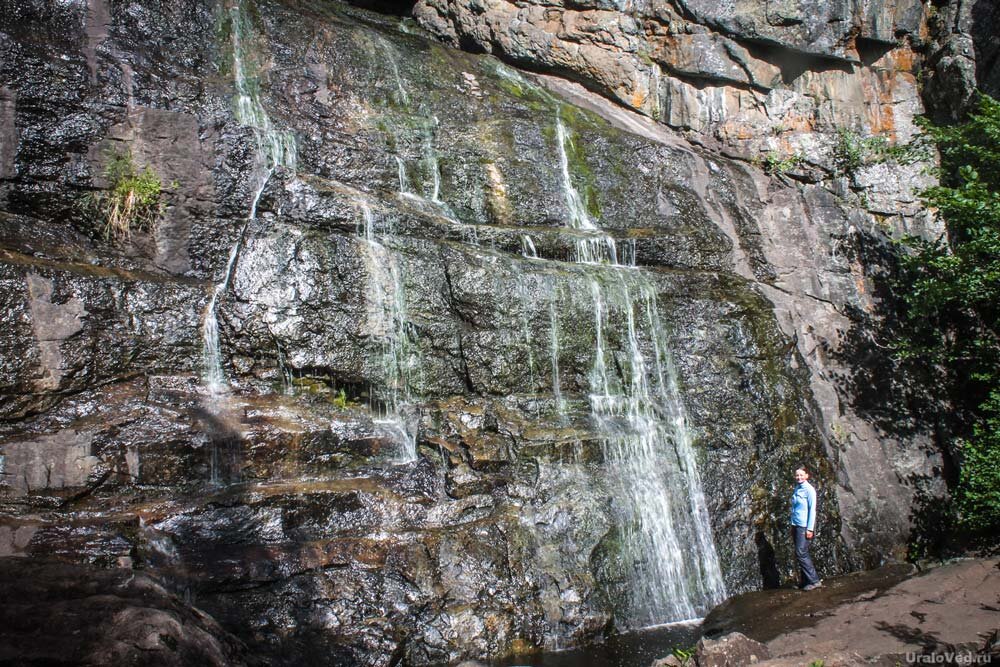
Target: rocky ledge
{"type": "Point", "coordinates": [949, 614]}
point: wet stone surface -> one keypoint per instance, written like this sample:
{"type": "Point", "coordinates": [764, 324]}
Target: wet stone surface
{"type": "Point", "coordinates": [436, 430]}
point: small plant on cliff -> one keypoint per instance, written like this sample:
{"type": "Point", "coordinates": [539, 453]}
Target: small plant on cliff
{"type": "Point", "coordinates": [777, 164]}
{"type": "Point", "coordinates": [340, 400]}
{"type": "Point", "coordinates": [853, 151]}
{"type": "Point", "coordinates": [850, 151]}
{"type": "Point", "coordinates": [133, 200]}
{"type": "Point", "coordinates": [951, 289]}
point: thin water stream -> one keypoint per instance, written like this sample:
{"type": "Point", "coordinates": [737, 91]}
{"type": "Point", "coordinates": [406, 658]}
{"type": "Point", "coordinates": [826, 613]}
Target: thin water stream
{"type": "Point", "coordinates": [275, 148]}
{"type": "Point", "coordinates": [599, 248]}
{"type": "Point", "coordinates": [399, 360]}
{"type": "Point", "coordinates": [214, 376]}
{"type": "Point", "coordinates": [398, 363]}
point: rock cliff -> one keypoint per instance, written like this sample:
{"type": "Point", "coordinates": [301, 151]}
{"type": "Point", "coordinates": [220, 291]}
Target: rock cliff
{"type": "Point", "coordinates": [426, 357]}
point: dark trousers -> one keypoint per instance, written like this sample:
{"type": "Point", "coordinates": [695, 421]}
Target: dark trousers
{"type": "Point", "coordinates": [807, 573]}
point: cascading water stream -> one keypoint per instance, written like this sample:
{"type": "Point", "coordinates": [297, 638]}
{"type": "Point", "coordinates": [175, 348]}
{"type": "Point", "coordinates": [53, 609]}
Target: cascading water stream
{"type": "Point", "coordinates": [401, 94]}
{"type": "Point", "coordinates": [554, 353]}
{"type": "Point", "coordinates": [275, 149]}
{"type": "Point", "coordinates": [387, 320]}
{"type": "Point", "coordinates": [524, 294]}
{"type": "Point", "coordinates": [596, 247]}
{"type": "Point", "coordinates": [405, 188]}
{"type": "Point", "coordinates": [668, 557]}
{"type": "Point", "coordinates": [428, 171]}
{"type": "Point", "coordinates": [419, 181]}
{"type": "Point", "coordinates": [428, 166]}
{"type": "Point", "coordinates": [431, 162]}
{"type": "Point", "coordinates": [528, 247]}
{"type": "Point", "coordinates": [215, 378]}
{"type": "Point", "coordinates": [274, 146]}
{"type": "Point", "coordinates": [711, 585]}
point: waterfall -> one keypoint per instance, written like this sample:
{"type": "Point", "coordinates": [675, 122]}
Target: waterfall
{"type": "Point", "coordinates": [554, 351]}
{"type": "Point", "coordinates": [595, 247]}
{"type": "Point", "coordinates": [528, 247]}
{"type": "Point", "coordinates": [431, 162]}
{"type": "Point", "coordinates": [214, 377]}
{"type": "Point", "coordinates": [275, 148]}
{"type": "Point", "coordinates": [427, 170]}
{"type": "Point", "coordinates": [667, 551]}
{"type": "Point", "coordinates": [420, 181]}
{"type": "Point", "coordinates": [404, 181]}
{"type": "Point", "coordinates": [527, 339]}
{"type": "Point", "coordinates": [402, 97]}
{"type": "Point", "coordinates": [387, 321]}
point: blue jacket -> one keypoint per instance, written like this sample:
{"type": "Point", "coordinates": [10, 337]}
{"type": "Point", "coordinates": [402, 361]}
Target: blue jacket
{"type": "Point", "coordinates": [804, 506]}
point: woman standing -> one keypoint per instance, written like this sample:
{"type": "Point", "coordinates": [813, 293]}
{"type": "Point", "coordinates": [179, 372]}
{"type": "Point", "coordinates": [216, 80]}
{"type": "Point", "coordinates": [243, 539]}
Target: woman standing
{"type": "Point", "coordinates": [803, 523]}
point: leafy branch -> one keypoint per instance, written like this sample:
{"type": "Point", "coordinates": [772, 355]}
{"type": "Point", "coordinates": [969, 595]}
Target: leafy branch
{"type": "Point", "coordinates": [951, 292]}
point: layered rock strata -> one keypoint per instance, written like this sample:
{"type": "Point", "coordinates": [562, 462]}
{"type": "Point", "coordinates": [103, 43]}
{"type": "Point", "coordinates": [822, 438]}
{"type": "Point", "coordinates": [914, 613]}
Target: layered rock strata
{"type": "Point", "coordinates": [424, 440]}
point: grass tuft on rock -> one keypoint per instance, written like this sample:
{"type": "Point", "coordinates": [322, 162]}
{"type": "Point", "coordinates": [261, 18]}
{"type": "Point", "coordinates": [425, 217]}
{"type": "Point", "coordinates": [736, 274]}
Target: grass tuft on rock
{"type": "Point", "coordinates": [133, 200]}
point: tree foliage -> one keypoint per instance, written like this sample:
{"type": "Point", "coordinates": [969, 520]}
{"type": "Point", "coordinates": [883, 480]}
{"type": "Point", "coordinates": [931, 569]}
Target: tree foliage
{"type": "Point", "coordinates": [951, 287]}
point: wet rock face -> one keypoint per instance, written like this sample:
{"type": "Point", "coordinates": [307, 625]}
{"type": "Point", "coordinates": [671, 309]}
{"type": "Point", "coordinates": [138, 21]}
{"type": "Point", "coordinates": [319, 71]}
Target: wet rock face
{"type": "Point", "coordinates": [73, 324]}
{"type": "Point", "coordinates": [772, 82]}
{"type": "Point", "coordinates": [430, 441]}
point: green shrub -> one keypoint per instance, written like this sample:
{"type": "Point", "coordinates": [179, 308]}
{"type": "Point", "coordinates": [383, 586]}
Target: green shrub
{"type": "Point", "coordinates": [340, 400]}
{"type": "Point", "coordinates": [775, 164]}
{"type": "Point", "coordinates": [978, 493]}
{"type": "Point", "coordinates": [849, 152]}
{"type": "Point", "coordinates": [951, 292]}
{"type": "Point", "coordinates": [853, 151]}
{"type": "Point", "coordinates": [133, 200]}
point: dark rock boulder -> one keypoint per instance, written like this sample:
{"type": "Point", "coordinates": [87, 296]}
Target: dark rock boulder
{"type": "Point", "coordinates": [55, 613]}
